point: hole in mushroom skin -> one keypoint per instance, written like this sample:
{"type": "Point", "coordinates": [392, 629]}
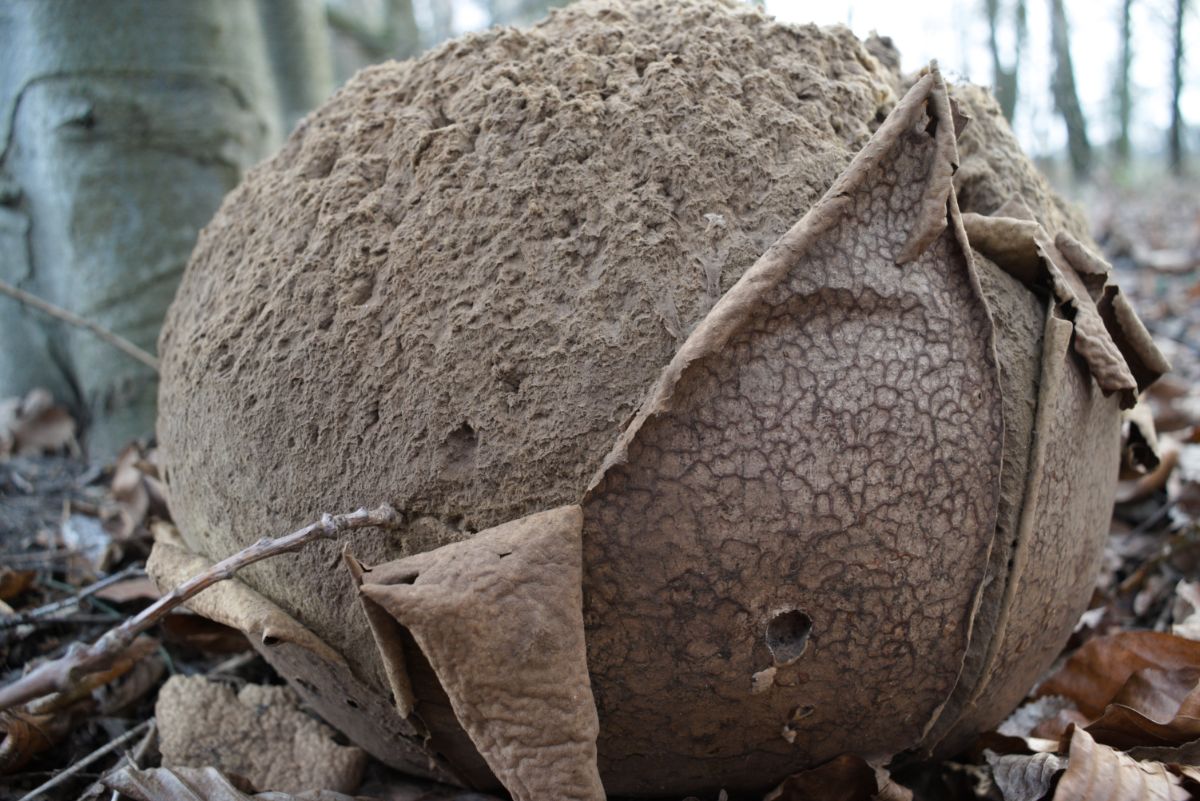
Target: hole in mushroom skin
{"type": "Point", "coordinates": [787, 636]}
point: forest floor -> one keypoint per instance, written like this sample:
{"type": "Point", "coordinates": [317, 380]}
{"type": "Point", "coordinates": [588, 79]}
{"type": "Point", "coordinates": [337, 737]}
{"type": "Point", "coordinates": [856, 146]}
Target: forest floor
{"type": "Point", "coordinates": [1121, 707]}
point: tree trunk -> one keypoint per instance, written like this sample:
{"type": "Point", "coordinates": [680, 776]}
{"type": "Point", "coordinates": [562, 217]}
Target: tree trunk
{"type": "Point", "coordinates": [443, 22]}
{"type": "Point", "coordinates": [397, 36]}
{"type": "Point", "coordinates": [404, 37]}
{"type": "Point", "coordinates": [1066, 98]}
{"type": "Point", "coordinates": [521, 12]}
{"type": "Point", "coordinates": [1005, 79]}
{"type": "Point", "coordinates": [1175, 134]}
{"type": "Point", "coordinates": [301, 56]}
{"type": "Point", "coordinates": [1124, 96]}
{"type": "Point", "coordinates": [123, 123]}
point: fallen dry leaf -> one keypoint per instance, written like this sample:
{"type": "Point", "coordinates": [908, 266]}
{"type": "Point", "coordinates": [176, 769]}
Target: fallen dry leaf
{"type": "Point", "coordinates": [34, 424]}
{"type": "Point", "coordinates": [1139, 441]}
{"type": "Point", "coordinates": [203, 634]}
{"type": "Point", "coordinates": [198, 784]}
{"type": "Point", "coordinates": [844, 778]}
{"type": "Point", "coordinates": [15, 582]}
{"type": "Point", "coordinates": [27, 734]}
{"type": "Point", "coordinates": [1025, 778]}
{"type": "Point", "coordinates": [1096, 772]}
{"type": "Point", "coordinates": [142, 588]}
{"type": "Point", "coordinates": [1153, 708]}
{"type": "Point", "coordinates": [135, 492]}
{"type": "Point", "coordinates": [1186, 610]}
{"type": "Point", "coordinates": [1094, 675]}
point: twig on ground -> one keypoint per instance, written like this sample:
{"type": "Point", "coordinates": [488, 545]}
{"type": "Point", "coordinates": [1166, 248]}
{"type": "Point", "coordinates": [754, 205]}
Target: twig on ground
{"type": "Point", "coordinates": [50, 608]}
{"type": "Point", "coordinates": [25, 558]}
{"type": "Point", "coordinates": [80, 659]}
{"type": "Point", "coordinates": [120, 343]}
{"type": "Point", "coordinates": [87, 760]}
{"type": "Point", "coordinates": [133, 759]}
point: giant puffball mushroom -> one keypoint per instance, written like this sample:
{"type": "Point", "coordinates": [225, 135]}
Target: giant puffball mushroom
{"type": "Point", "coordinates": [724, 441]}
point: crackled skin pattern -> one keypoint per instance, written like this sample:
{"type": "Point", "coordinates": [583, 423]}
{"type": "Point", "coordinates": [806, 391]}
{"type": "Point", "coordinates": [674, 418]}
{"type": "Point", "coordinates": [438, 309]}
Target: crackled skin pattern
{"type": "Point", "coordinates": [500, 618]}
{"type": "Point", "coordinates": [1076, 444]}
{"type": "Point", "coordinates": [839, 455]}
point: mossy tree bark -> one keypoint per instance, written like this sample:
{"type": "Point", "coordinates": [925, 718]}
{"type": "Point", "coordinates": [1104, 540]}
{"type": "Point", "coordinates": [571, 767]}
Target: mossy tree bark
{"type": "Point", "coordinates": [122, 125]}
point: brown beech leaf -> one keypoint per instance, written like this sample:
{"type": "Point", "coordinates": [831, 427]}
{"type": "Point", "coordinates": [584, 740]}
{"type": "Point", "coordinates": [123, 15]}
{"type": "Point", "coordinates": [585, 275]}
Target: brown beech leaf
{"type": "Point", "coordinates": [208, 636]}
{"type": "Point", "coordinates": [1186, 610]}
{"type": "Point", "coordinates": [1096, 772]}
{"type": "Point", "coordinates": [1025, 778]}
{"type": "Point", "coordinates": [1186, 754]}
{"type": "Point", "coordinates": [198, 784]}
{"type": "Point", "coordinates": [1154, 708]}
{"type": "Point", "coordinates": [15, 582]}
{"type": "Point", "coordinates": [34, 424]}
{"type": "Point", "coordinates": [1161, 694]}
{"type": "Point", "coordinates": [1096, 673]}
{"type": "Point", "coordinates": [142, 588]}
{"type": "Point", "coordinates": [1139, 441]}
{"type": "Point", "coordinates": [129, 496]}
{"type": "Point", "coordinates": [844, 778]}
{"type": "Point", "coordinates": [27, 734]}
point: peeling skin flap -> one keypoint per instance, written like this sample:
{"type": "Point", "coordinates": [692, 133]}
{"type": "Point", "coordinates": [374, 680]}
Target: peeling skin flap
{"type": "Point", "coordinates": [500, 619]}
{"type": "Point", "coordinates": [1119, 352]}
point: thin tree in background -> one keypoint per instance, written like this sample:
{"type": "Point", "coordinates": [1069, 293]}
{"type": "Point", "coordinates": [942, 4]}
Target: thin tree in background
{"type": "Point", "coordinates": [1004, 79]}
{"type": "Point", "coordinates": [1124, 96]}
{"type": "Point", "coordinates": [1175, 134]}
{"type": "Point", "coordinates": [1066, 98]}
{"type": "Point", "coordinates": [519, 12]}
{"type": "Point", "coordinates": [395, 36]}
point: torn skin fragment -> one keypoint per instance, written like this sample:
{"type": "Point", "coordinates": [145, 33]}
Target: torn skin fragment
{"type": "Point", "coordinates": [316, 671]}
{"type": "Point", "coordinates": [500, 619]}
{"type": "Point", "coordinates": [1108, 335]}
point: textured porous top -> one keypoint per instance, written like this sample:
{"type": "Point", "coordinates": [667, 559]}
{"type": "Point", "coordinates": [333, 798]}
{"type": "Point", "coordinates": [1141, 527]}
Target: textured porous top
{"type": "Point", "coordinates": [457, 281]}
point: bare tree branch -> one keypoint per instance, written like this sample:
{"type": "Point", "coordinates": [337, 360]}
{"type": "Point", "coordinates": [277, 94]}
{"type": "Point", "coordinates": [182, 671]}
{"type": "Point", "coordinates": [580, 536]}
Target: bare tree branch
{"type": "Point", "coordinates": [118, 342]}
{"type": "Point", "coordinates": [80, 659]}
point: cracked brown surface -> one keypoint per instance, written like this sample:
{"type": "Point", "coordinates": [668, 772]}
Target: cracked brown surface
{"type": "Point", "coordinates": [828, 440]}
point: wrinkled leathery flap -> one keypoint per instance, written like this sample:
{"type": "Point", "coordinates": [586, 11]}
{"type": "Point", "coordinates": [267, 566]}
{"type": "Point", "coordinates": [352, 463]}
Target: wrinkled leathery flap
{"type": "Point", "coordinates": [317, 672]}
{"type": "Point", "coordinates": [1108, 335]}
{"type": "Point", "coordinates": [385, 630]}
{"type": "Point", "coordinates": [500, 619]}
{"type": "Point", "coordinates": [857, 349]}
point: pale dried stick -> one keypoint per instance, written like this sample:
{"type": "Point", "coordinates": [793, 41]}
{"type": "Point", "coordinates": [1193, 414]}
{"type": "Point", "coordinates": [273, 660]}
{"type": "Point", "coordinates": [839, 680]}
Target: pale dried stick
{"type": "Point", "coordinates": [59, 778]}
{"type": "Point", "coordinates": [57, 312]}
{"type": "Point", "coordinates": [80, 659]}
{"type": "Point", "coordinates": [73, 600]}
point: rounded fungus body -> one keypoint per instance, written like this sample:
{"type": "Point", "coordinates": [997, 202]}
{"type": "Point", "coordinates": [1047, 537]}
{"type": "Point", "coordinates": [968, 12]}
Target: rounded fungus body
{"type": "Point", "coordinates": [839, 454]}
